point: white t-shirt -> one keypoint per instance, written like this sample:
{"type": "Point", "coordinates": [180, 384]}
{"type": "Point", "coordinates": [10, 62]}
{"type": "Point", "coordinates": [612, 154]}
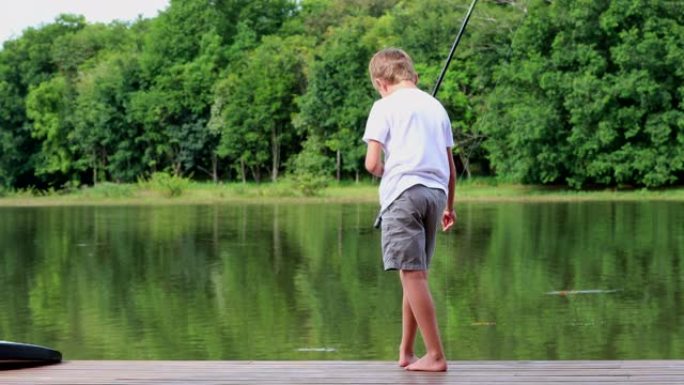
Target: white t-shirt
{"type": "Point", "coordinates": [415, 131]}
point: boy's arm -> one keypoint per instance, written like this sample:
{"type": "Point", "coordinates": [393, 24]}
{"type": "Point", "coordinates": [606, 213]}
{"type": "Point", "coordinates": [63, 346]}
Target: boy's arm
{"type": "Point", "coordinates": [449, 215]}
{"type": "Point", "coordinates": [374, 158]}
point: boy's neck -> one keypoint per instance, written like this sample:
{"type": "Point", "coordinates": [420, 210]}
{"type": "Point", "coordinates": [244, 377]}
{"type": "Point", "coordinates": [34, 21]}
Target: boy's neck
{"type": "Point", "coordinates": [394, 87]}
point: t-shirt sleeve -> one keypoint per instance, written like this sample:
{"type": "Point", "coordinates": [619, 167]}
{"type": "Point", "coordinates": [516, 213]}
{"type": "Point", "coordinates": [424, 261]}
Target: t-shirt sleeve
{"type": "Point", "coordinates": [377, 127]}
{"type": "Point", "coordinates": [448, 135]}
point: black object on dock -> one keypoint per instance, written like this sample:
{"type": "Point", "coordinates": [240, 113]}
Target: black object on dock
{"type": "Point", "coordinates": [14, 354]}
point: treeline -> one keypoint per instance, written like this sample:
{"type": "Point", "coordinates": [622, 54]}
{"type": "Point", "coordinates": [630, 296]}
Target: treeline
{"type": "Point", "coordinates": [575, 92]}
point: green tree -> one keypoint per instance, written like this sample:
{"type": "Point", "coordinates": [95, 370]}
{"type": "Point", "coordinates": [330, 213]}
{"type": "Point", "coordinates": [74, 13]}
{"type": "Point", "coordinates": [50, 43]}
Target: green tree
{"type": "Point", "coordinates": [100, 118]}
{"type": "Point", "coordinates": [25, 63]}
{"type": "Point", "coordinates": [47, 108]}
{"type": "Point", "coordinates": [103, 63]}
{"type": "Point", "coordinates": [255, 102]}
{"type": "Point", "coordinates": [339, 94]}
{"type": "Point", "coordinates": [173, 112]}
{"type": "Point", "coordinates": [175, 36]}
{"type": "Point", "coordinates": [315, 17]}
{"type": "Point", "coordinates": [12, 150]}
{"type": "Point", "coordinates": [71, 51]}
{"type": "Point", "coordinates": [264, 17]}
{"type": "Point", "coordinates": [591, 95]}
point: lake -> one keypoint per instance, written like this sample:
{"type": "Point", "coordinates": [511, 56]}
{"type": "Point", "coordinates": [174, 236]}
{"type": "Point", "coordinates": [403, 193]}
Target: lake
{"type": "Point", "coordinates": [515, 281]}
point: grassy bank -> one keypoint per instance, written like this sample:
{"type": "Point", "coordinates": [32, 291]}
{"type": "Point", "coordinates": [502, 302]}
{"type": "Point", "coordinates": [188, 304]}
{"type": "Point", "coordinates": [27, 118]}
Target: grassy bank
{"type": "Point", "coordinates": [476, 190]}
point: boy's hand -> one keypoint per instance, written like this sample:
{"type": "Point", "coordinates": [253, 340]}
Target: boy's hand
{"type": "Point", "coordinates": [374, 158]}
{"type": "Point", "coordinates": [448, 219]}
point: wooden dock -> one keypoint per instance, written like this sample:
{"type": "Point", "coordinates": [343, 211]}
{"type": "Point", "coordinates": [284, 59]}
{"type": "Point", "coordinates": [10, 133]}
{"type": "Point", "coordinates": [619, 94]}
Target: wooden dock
{"type": "Point", "coordinates": [347, 372]}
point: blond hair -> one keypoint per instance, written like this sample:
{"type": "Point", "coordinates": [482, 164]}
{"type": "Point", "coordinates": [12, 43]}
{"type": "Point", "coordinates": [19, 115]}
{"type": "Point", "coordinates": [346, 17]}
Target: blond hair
{"type": "Point", "coordinates": [392, 65]}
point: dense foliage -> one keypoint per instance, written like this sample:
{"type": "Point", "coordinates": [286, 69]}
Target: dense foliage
{"type": "Point", "coordinates": [593, 93]}
{"type": "Point", "coordinates": [563, 92]}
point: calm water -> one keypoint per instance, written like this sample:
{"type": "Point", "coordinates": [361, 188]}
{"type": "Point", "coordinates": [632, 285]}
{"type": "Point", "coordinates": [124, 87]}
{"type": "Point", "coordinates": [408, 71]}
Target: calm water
{"type": "Point", "coordinates": [305, 282]}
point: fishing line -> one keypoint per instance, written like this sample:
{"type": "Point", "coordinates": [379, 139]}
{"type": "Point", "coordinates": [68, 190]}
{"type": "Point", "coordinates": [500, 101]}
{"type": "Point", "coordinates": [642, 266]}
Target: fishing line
{"type": "Point", "coordinates": [434, 94]}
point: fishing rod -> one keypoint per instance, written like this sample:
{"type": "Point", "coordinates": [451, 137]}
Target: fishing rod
{"type": "Point", "coordinates": [434, 94]}
{"type": "Point", "coordinates": [453, 48]}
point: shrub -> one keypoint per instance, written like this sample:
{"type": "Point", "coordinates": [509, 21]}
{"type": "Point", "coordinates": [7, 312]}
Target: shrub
{"type": "Point", "coordinates": [309, 168]}
{"type": "Point", "coordinates": [110, 190]}
{"type": "Point", "coordinates": [309, 184]}
{"type": "Point", "coordinates": [167, 184]}
{"type": "Point", "coordinates": [70, 187]}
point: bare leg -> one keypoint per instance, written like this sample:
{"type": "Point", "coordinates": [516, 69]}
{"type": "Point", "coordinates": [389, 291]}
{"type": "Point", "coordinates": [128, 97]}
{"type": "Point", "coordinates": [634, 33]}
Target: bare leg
{"type": "Point", "coordinates": [417, 291]}
{"type": "Point", "coordinates": [409, 326]}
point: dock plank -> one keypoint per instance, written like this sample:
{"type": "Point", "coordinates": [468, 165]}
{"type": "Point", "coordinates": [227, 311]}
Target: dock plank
{"type": "Point", "coordinates": [346, 372]}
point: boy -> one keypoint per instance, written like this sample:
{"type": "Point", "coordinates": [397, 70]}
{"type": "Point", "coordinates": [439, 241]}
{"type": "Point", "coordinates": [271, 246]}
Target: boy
{"type": "Point", "coordinates": [416, 191]}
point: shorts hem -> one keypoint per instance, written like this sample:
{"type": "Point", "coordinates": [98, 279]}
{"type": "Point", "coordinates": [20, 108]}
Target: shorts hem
{"type": "Point", "coordinates": [390, 267]}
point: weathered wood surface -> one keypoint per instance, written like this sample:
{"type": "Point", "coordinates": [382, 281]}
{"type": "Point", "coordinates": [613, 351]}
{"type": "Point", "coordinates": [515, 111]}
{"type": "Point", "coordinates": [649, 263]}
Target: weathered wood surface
{"type": "Point", "coordinates": [347, 372]}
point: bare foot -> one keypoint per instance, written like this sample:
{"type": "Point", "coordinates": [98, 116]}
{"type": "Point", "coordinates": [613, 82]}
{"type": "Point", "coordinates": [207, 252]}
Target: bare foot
{"type": "Point", "coordinates": [406, 359]}
{"type": "Point", "coordinates": [429, 364]}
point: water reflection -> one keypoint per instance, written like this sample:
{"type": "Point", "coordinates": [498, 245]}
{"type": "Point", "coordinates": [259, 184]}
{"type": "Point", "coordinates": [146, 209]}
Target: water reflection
{"type": "Point", "coordinates": [306, 282]}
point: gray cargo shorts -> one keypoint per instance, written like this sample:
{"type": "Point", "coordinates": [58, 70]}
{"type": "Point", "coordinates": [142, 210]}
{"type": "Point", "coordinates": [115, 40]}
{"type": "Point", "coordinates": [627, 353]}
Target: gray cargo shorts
{"type": "Point", "coordinates": [409, 227]}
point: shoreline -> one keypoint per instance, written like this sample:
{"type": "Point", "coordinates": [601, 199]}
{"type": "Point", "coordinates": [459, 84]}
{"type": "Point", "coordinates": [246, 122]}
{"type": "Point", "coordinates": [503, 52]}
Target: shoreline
{"type": "Point", "coordinates": [282, 193]}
